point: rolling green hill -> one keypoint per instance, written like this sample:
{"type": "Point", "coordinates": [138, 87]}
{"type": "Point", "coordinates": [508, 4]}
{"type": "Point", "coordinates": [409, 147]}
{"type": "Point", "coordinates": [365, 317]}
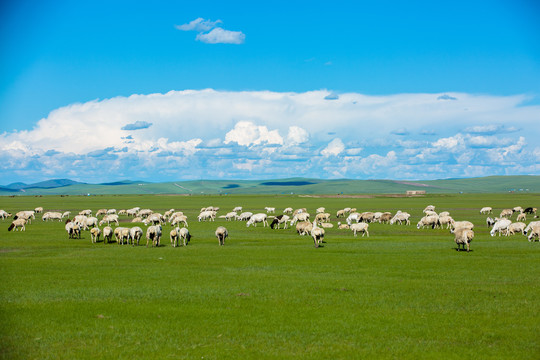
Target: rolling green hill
{"type": "Point", "coordinates": [491, 184]}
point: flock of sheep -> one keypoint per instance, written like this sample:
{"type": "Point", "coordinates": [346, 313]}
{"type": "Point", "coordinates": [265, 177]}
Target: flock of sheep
{"type": "Point", "coordinates": [357, 222]}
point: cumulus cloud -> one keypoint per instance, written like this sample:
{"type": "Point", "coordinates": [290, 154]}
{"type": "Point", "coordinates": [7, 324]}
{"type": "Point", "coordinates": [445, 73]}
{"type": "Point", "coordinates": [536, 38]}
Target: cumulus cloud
{"type": "Point", "coordinates": [331, 96]}
{"type": "Point", "coordinates": [210, 33]}
{"type": "Point", "coordinates": [334, 148]}
{"type": "Point", "coordinates": [221, 36]}
{"type": "Point", "coordinates": [209, 131]}
{"type": "Point", "coordinates": [137, 125]}
{"type": "Point", "coordinates": [446, 97]}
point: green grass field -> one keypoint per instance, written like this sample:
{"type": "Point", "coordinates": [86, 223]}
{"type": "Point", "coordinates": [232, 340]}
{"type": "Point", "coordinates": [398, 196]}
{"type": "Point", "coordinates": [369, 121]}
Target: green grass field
{"type": "Point", "coordinates": [402, 293]}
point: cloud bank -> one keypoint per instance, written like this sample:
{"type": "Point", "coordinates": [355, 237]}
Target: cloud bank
{"type": "Point", "coordinates": [196, 134]}
{"type": "Point", "coordinates": [210, 33]}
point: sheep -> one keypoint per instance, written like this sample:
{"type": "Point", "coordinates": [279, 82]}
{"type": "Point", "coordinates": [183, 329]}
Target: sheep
{"type": "Point", "coordinates": [122, 212]}
{"type": "Point", "coordinates": [245, 216]}
{"type": "Point", "coordinates": [500, 227]}
{"type": "Point", "coordinates": [360, 227]}
{"type": "Point", "coordinates": [340, 213]}
{"type": "Point", "coordinates": [101, 212]}
{"type": "Point", "coordinates": [109, 218]}
{"type": "Point", "coordinates": [38, 210]}
{"type": "Point", "coordinates": [171, 216]}
{"type": "Point", "coordinates": [429, 208]}
{"type": "Point", "coordinates": [326, 225]}
{"type": "Point", "coordinates": [320, 210]}
{"type": "Point", "coordinates": [111, 211]}
{"type": "Point", "coordinates": [516, 227]}
{"type": "Point", "coordinates": [257, 218]}
{"type": "Point", "coordinates": [184, 235]}
{"type": "Point", "coordinates": [530, 226]}
{"type": "Point", "coordinates": [534, 232]}
{"type": "Point", "coordinates": [343, 226]}
{"type": "Point", "coordinates": [320, 217]}
{"type": "Point", "coordinates": [221, 234]}
{"type": "Point", "coordinates": [506, 213]}
{"type": "Point", "coordinates": [486, 210]}
{"type": "Point", "coordinates": [230, 215]}
{"type": "Point", "coordinates": [132, 212]}
{"type": "Point", "coordinates": [401, 217]}
{"type": "Point", "coordinates": [517, 209]}
{"type": "Point", "coordinates": [121, 233]}
{"type": "Point", "coordinates": [430, 213]}
{"type": "Point", "coordinates": [135, 233]}
{"type": "Point", "coordinates": [428, 220]}
{"type": "Point", "coordinates": [27, 215]}
{"type": "Point", "coordinates": [180, 219]}
{"type": "Point", "coordinates": [4, 214]}
{"type": "Point", "coordinates": [144, 213]}
{"type": "Point", "coordinates": [463, 237]}
{"type": "Point", "coordinates": [90, 221]}
{"type": "Point", "coordinates": [444, 213]}
{"type": "Point", "coordinates": [298, 211]}
{"type": "Point", "coordinates": [490, 221]}
{"type": "Point", "coordinates": [107, 234]}
{"type": "Point", "coordinates": [303, 227]}
{"type": "Point", "coordinates": [95, 232]}
{"type": "Point", "coordinates": [73, 229]}
{"type": "Point", "coordinates": [385, 217]}
{"type": "Point", "coordinates": [137, 220]}
{"type": "Point", "coordinates": [51, 215]}
{"type": "Point", "coordinates": [521, 217]}
{"type": "Point", "coordinates": [446, 220]}
{"type": "Point", "coordinates": [86, 212]}
{"type": "Point", "coordinates": [16, 224]}
{"type": "Point", "coordinates": [461, 225]}
{"type": "Point", "coordinates": [367, 216]}
{"type": "Point", "coordinates": [237, 209]}
{"type": "Point", "coordinates": [270, 210]}
{"type": "Point", "coordinates": [353, 217]}
{"type": "Point", "coordinates": [66, 214]}
{"type": "Point", "coordinates": [530, 210]}
{"type": "Point", "coordinates": [288, 210]}
{"type": "Point", "coordinates": [153, 233]}
{"type": "Point", "coordinates": [168, 214]}
{"type": "Point", "coordinates": [155, 219]}
{"type": "Point", "coordinates": [206, 215]}
{"type": "Point", "coordinates": [174, 236]}
{"type": "Point", "coordinates": [280, 219]}
{"type": "Point", "coordinates": [317, 234]}
{"type": "Point", "coordinates": [347, 210]}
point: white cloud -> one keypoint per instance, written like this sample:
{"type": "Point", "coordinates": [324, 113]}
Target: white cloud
{"type": "Point", "coordinates": [221, 36]}
{"type": "Point", "coordinates": [334, 148]}
{"type": "Point", "coordinates": [198, 24]}
{"type": "Point", "coordinates": [211, 130]}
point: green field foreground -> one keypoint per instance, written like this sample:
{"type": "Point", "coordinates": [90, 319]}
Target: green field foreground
{"type": "Point", "coordinates": [402, 293]}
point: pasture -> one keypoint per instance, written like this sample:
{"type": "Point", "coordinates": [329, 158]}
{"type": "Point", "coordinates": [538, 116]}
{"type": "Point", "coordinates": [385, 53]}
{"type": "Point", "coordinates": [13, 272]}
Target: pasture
{"type": "Point", "coordinates": [402, 293]}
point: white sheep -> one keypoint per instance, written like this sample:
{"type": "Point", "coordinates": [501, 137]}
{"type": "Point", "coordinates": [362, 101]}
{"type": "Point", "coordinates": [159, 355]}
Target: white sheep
{"type": "Point", "coordinates": [101, 212]}
{"type": "Point", "coordinates": [221, 234]}
{"type": "Point", "coordinates": [184, 235]}
{"type": "Point", "coordinates": [500, 226]}
{"type": "Point", "coordinates": [360, 227]}
{"type": "Point", "coordinates": [107, 234]}
{"type": "Point", "coordinates": [230, 215]}
{"type": "Point", "coordinates": [385, 217]}
{"type": "Point", "coordinates": [180, 219]}
{"type": "Point", "coordinates": [86, 212]}
{"type": "Point", "coordinates": [304, 227]}
{"type": "Point", "coordinates": [320, 210]}
{"type": "Point", "coordinates": [464, 224]}
{"type": "Point", "coordinates": [530, 226]}
{"type": "Point", "coordinates": [16, 224]}
{"type": "Point", "coordinates": [270, 210]}
{"type": "Point", "coordinates": [429, 208]}
{"type": "Point", "coordinates": [153, 233]}
{"type": "Point", "coordinates": [322, 217]}
{"type": "Point", "coordinates": [428, 220]}
{"type": "Point", "coordinates": [52, 215]}
{"type": "Point", "coordinates": [38, 210]}
{"type": "Point", "coordinates": [257, 218]}
{"type": "Point", "coordinates": [516, 227]}
{"type": "Point", "coordinates": [506, 213]}
{"type": "Point", "coordinates": [445, 220]}
{"type": "Point", "coordinates": [301, 216]}
{"type": "Point", "coordinates": [245, 216]}
{"type": "Point", "coordinates": [174, 236]}
{"type": "Point", "coordinates": [278, 220]}
{"type": "Point", "coordinates": [521, 217]}
{"type": "Point", "coordinates": [353, 217]}
{"type": "Point", "coordinates": [317, 234]}
{"type": "Point", "coordinates": [534, 232]}
{"type": "Point", "coordinates": [486, 210]}
{"type": "Point", "coordinates": [135, 233]}
{"type": "Point", "coordinates": [73, 229]}
{"type": "Point", "coordinates": [340, 213]}
{"type": "Point", "coordinates": [207, 215]}
{"type": "Point", "coordinates": [237, 209]}
{"type": "Point", "coordinates": [288, 210]}
{"type": "Point", "coordinates": [66, 214]}
{"type": "Point", "coordinates": [95, 232]}
{"type": "Point", "coordinates": [4, 214]}
{"type": "Point", "coordinates": [343, 226]}
{"type": "Point", "coordinates": [463, 237]}
{"type": "Point", "coordinates": [401, 217]}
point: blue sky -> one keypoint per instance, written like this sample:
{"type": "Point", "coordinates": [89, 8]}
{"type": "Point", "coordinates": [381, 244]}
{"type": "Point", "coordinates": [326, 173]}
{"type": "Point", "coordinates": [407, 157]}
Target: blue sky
{"type": "Point", "coordinates": [170, 90]}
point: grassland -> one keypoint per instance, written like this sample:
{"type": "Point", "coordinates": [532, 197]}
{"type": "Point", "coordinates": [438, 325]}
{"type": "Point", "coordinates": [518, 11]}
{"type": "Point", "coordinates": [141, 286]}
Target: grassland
{"type": "Point", "coordinates": [402, 293]}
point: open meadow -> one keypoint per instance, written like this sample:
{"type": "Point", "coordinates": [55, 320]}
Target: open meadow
{"type": "Point", "coordinates": [401, 293]}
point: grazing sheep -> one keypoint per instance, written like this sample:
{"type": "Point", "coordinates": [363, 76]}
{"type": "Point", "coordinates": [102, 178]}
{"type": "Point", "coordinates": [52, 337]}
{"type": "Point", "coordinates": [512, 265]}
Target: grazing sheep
{"type": "Point", "coordinates": [221, 234]}
{"type": "Point", "coordinates": [317, 234]}
{"type": "Point", "coordinates": [135, 233]}
{"type": "Point", "coordinates": [207, 215]}
{"type": "Point", "coordinates": [86, 212]}
{"type": "Point", "coordinates": [27, 215]}
{"type": "Point", "coordinates": [360, 227]}
{"type": "Point", "coordinates": [461, 225]}
{"type": "Point", "coordinates": [121, 234]}
{"type": "Point", "coordinates": [486, 210]}
{"type": "Point", "coordinates": [353, 217]}
{"type": "Point", "coordinates": [95, 232]}
{"type": "Point", "coordinates": [231, 215]}
{"type": "Point", "coordinates": [137, 219]}
{"type": "Point", "coordinates": [51, 215]}
{"type": "Point", "coordinates": [340, 213]}
{"type": "Point", "coordinates": [343, 226]}
{"type": "Point", "coordinates": [38, 210]}
{"type": "Point", "coordinates": [101, 212]}
{"type": "Point", "coordinates": [530, 226]}
{"type": "Point", "coordinates": [444, 213]}
{"type": "Point", "coordinates": [16, 224]}
{"type": "Point", "coordinates": [122, 212]}
{"type": "Point", "coordinates": [288, 210]}
{"type": "Point", "coordinates": [280, 219]}
{"type": "Point", "coordinates": [522, 217]}
{"type": "Point", "coordinates": [132, 212]}
{"type": "Point", "coordinates": [4, 214]}
{"type": "Point", "coordinates": [326, 225]}
{"type": "Point", "coordinates": [245, 216]}
{"type": "Point", "coordinates": [320, 210]}
{"type": "Point", "coordinates": [445, 220]}
{"type": "Point", "coordinates": [428, 220]}
{"type": "Point", "coordinates": [304, 227]}
{"type": "Point", "coordinates": [530, 210]}
{"type": "Point", "coordinates": [237, 209]}
{"type": "Point", "coordinates": [301, 216]}
{"type": "Point", "coordinates": [490, 221]}
{"type": "Point", "coordinates": [270, 210]}
{"type": "Point", "coordinates": [144, 213]}
{"type": "Point", "coordinates": [516, 227]}
{"type": "Point", "coordinates": [401, 217]}
{"type": "Point", "coordinates": [180, 219]}
{"type": "Point", "coordinates": [153, 233]}
{"type": "Point", "coordinates": [367, 216]}
{"type": "Point", "coordinates": [90, 221]}
{"type": "Point", "coordinates": [506, 213]}
{"type": "Point", "coordinates": [66, 214]}
{"type": "Point", "coordinates": [107, 234]}
{"type": "Point", "coordinates": [534, 232]}
{"type": "Point", "coordinates": [111, 211]}
{"type": "Point", "coordinates": [257, 218]}
{"type": "Point", "coordinates": [429, 208]}
{"type": "Point", "coordinates": [517, 209]}
{"type": "Point", "coordinates": [385, 217]}
{"type": "Point", "coordinates": [500, 226]}
{"type": "Point", "coordinates": [109, 219]}
{"type": "Point", "coordinates": [184, 235]}
{"type": "Point", "coordinates": [320, 217]}
{"type": "Point", "coordinates": [73, 229]}
{"type": "Point", "coordinates": [463, 237]}
{"type": "Point", "coordinates": [155, 219]}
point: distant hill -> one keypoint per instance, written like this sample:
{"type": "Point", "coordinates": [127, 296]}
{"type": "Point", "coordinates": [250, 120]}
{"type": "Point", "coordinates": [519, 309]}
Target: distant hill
{"type": "Point", "coordinates": [307, 186]}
